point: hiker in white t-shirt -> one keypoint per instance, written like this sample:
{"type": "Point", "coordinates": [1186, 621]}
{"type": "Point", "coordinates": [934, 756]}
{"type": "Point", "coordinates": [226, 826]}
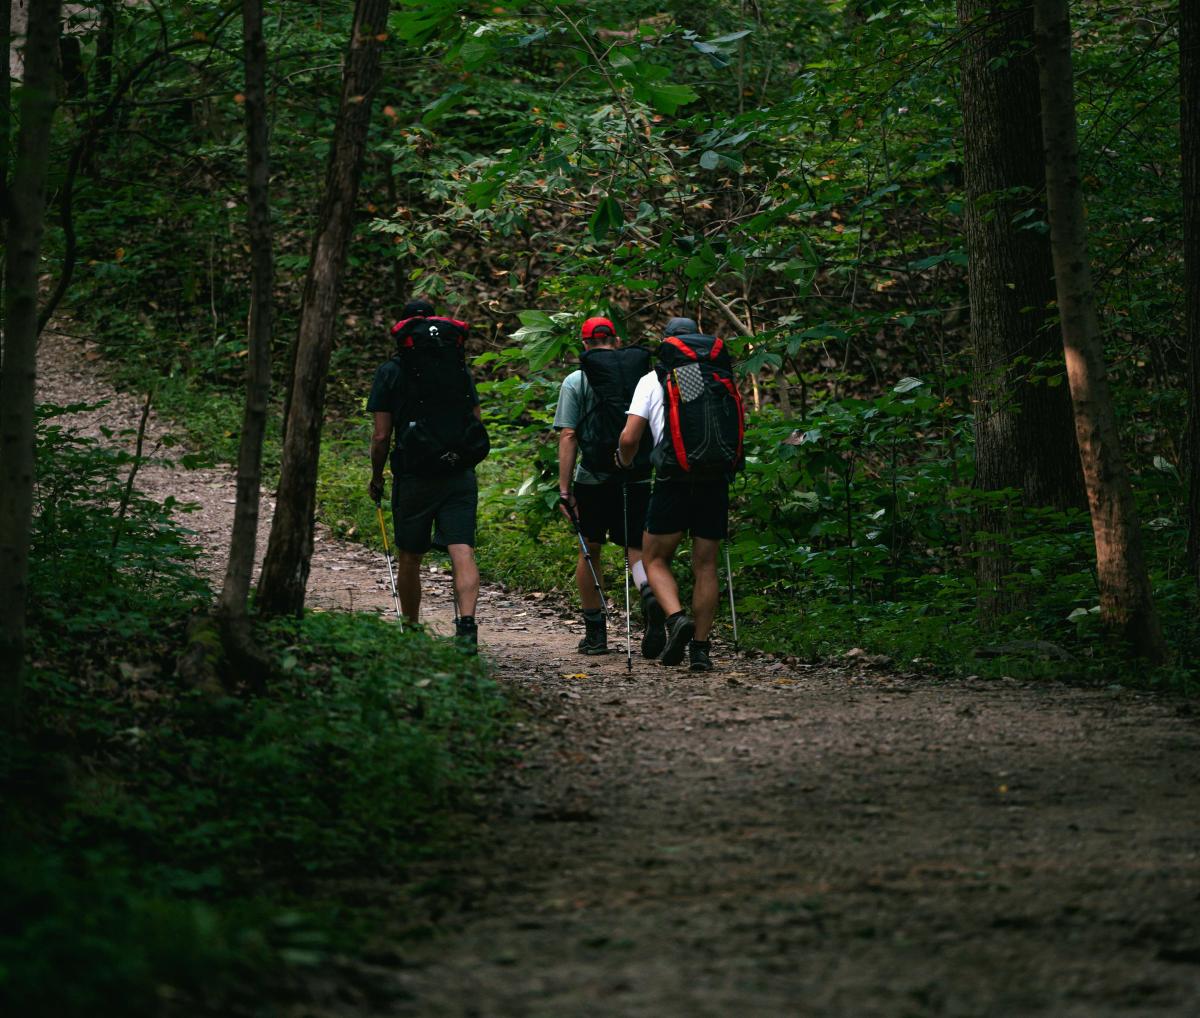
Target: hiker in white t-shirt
{"type": "Point", "coordinates": [678, 505]}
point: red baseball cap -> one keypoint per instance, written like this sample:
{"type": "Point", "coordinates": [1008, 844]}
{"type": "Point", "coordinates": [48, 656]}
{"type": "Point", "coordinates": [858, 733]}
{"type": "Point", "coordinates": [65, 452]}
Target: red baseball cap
{"type": "Point", "coordinates": [594, 325]}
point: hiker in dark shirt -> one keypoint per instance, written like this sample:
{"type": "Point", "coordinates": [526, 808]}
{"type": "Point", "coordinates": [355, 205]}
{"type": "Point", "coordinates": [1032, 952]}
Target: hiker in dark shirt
{"type": "Point", "coordinates": [426, 397]}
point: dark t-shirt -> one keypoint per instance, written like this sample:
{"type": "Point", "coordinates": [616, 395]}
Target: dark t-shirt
{"type": "Point", "coordinates": [388, 393]}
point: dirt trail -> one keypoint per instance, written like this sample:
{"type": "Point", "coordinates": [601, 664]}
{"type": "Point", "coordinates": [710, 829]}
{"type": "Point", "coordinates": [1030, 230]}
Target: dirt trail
{"type": "Point", "coordinates": [783, 840]}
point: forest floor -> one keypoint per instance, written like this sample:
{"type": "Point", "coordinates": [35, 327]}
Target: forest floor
{"type": "Point", "coordinates": [770, 838]}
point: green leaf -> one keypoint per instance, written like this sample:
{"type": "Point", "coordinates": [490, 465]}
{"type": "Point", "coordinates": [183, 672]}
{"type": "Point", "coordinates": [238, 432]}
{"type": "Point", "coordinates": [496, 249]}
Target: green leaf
{"type": "Point", "coordinates": [425, 21]}
{"type": "Point", "coordinates": [710, 160]}
{"type": "Point", "coordinates": [724, 40]}
{"type": "Point", "coordinates": [435, 110]}
{"type": "Point", "coordinates": [482, 193]}
{"type": "Point", "coordinates": [608, 216]}
{"type": "Point", "coordinates": [477, 49]}
{"type": "Point", "coordinates": [664, 97]}
{"type": "Point", "coordinates": [907, 385]}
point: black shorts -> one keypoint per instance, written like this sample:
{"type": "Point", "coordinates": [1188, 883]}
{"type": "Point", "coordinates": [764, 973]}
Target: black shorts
{"type": "Point", "coordinates": [602, 512]}
{"type": "Point", "coordinates": [701, 507]}
{"type": "Point", "coordinates": [449, 500]}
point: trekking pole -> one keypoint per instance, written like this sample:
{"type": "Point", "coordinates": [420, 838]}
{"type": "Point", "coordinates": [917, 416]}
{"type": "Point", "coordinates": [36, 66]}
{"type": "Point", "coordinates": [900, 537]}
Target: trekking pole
{"type": "Point", "coordinates": [628, 629]}
{"type": "Point", "coordinates": [587, 557]}
{"type": "Point", "coordinates": [387, 556]}
{"type": "Point", "coordinates": [732, 606]}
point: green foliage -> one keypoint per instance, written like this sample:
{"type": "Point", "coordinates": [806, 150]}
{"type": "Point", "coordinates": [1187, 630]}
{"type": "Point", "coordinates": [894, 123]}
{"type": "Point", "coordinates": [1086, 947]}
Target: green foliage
{"type": "Point", "coordinates": [800, 161]}
{"type": "Point", "coordinates": [165, 839]}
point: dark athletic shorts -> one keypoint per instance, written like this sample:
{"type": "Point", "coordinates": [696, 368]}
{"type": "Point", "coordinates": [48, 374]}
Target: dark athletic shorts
{"type": "Point", "coordinates": [449, 501]}
{"type": "Point", "coordinates": [701, 507]}
{"type": "Point", "coordinates": [602, 512]}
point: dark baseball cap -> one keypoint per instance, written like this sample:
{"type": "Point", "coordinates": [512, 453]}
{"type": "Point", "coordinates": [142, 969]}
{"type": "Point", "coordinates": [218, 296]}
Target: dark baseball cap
{"type": "Point", "coordinates": [417, 308]}
{"type": "Point", "coordinates": [681, 327]}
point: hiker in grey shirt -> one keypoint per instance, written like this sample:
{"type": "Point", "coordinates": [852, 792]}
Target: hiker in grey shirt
{"type": "Point", "coordinates": [605, 504]}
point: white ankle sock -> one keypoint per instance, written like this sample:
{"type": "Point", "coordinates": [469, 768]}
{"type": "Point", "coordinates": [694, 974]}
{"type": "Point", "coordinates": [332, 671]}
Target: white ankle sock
{"type": "Point", "coordinates": [639, 575]}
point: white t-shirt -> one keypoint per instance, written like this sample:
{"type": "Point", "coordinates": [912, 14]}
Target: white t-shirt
{"type": "Point", "coordinates": [648, 403]}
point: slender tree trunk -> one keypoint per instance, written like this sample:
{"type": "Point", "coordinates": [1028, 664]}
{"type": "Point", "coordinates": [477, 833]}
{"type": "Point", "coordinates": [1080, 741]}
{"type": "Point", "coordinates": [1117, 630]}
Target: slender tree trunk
{"type": "Point", "coordinates": [258, 361]}
{"type": "Point", "coordinates": [1024, 432]}
{"type": "Point", "coordinates": [1125, 599]}
{"type": "Point", "coordinates": [18, 373]}
{"type": "Point", "coordinates": [1189, 131]}
{"type": "Point", "coordinates": [289, 551]}
{"type": "Point", "coordinates": [105, 46]}
{"type": "Point", "coordinates": [5, 141]}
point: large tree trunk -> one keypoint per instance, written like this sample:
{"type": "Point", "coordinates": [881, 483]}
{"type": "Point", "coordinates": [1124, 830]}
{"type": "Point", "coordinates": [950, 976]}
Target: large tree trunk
{"type": "Point", "coordinates": [289, 551]}
{"type": "Point", "coordinates": [18, 371]}
{"type": "Point", "coordinates": [1024, 433]}
{"type": "Point", "coordinates": [258, 361]}
{"type": "Point", "coordinates": [1189, 131]}
{"type": "Point", "coordinates": [1125, 598]}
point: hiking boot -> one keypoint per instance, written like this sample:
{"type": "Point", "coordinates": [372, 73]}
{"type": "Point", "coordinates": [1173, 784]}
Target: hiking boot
{"type": "Point", "coordinates": [466, 634]}
{"type": "Point", "coordinates": [654, 620]}
{"type": "Point", "coordinates": [698, 656]}
{"type": "Point", "coordinates": [680, 628]}
{"type": "Point", "coordinates": [595, 640]}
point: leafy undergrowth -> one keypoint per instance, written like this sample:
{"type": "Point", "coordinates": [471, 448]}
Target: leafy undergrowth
{"type": "Point", "coordinates": [163, 844]}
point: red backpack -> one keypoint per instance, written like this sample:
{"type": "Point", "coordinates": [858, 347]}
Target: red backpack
{"type": "Point", "coordinates": [703, 414]}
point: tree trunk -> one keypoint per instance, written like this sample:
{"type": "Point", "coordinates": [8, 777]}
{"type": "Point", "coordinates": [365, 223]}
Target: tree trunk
{"type": "Point", "coordinates": [1024, 433]}
{"type": "Point", "coordinates": [1189, 131]}
{"type": "Point", "coordinates": [5, 136]}
{"type": "Point", "coordinates": [105, 43]}
{"type": "Point", "coordinates": [1125, 598]}
{"type": "Point", "coordinates": [289, 551]}
{"type": "Point", "coordinates": [18, 371]}
{"type": "Point", "coordinates": [258, 361]}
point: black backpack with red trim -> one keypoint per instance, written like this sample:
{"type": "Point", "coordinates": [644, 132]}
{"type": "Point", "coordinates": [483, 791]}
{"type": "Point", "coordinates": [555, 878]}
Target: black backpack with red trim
{"type": "Point", "coordinates": [442, 433]}
{"type": "Point", "coordinates": [613, 375]}
{"type": "Point", "coordinates": [704, 420]}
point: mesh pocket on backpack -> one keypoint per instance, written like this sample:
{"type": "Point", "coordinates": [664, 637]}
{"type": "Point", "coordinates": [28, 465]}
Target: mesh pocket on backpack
{"type": "Point", "coordinates": [690, 380]}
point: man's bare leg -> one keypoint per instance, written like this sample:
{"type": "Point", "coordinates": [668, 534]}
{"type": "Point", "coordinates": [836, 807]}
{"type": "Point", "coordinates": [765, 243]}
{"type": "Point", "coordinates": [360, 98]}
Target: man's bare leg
{"type": "Point", "coordinates": [657, 552]}
{"type": "Point", "coordinates": [707, 588]}
{"type": "Point", "coordinates": [588, 595]}
{"type": "Point", "coordinates": [408, 583]}
{"type": "Point", "coordinates": [466, 577]}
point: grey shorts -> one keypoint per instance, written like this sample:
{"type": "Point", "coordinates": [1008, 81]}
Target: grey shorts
{"type": "Point", "coordinates": [448, 502]}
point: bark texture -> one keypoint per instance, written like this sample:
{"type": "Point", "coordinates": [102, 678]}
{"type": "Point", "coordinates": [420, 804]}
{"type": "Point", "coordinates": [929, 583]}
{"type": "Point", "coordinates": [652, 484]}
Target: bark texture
{"type": "Point", "coordinates": [1124, 584]}
{"type": "Point", "coordinates": [258, 361]}
{"type": "Point", "coordinates": [1024, 431]}
{"type": "Point", "coordinates": [289, 550]}
{"type": "Point", "coordinates": [1189, 130]}
{"type": "Point", "coordinates": [5, 111]}
{"type": "Point", "coordinates": [18, 372]}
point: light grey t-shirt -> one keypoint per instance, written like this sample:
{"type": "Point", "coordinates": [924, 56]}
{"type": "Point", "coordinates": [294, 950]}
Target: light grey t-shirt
{"type": "Point", "coordinates": [575, 400]}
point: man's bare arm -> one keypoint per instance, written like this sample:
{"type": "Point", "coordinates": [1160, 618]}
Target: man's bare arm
{"type": "Point", "coordinates": [631, 438]}
{"type": "Point", "coordinates": [380, 439]}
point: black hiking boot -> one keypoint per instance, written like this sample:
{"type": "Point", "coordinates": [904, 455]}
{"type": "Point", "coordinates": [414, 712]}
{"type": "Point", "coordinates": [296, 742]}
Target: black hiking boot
{"type": "Point", "coordinates": [466, 634]}
{"type": "Point", "coordinates": [654, 622]}
{"type": "Point", "coordinates": [698, 656]}
{"type": "Point", "coordinates": [595, 640]}
{"type": "Point", "coordinates": [680, 628]}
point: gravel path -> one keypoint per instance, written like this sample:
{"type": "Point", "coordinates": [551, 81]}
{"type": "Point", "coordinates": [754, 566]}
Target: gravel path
{"type": "Point", "coordinates": [774, 839]}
